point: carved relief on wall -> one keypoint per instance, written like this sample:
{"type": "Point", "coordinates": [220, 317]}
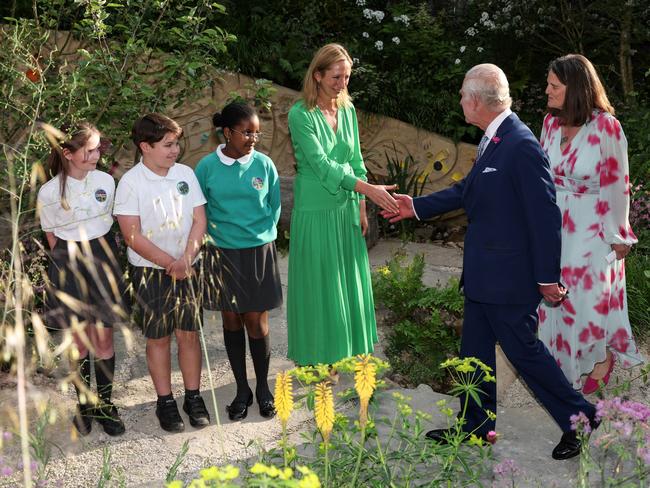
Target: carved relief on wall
{"type": "Point", "coordinates": [443, 161]}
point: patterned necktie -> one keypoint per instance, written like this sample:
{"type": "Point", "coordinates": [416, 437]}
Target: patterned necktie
{"type": "Point", "coordinates": [481, 146]}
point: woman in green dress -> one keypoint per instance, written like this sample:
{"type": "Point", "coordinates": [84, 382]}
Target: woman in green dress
{"type": "Point", "coordinates": [330, 307]}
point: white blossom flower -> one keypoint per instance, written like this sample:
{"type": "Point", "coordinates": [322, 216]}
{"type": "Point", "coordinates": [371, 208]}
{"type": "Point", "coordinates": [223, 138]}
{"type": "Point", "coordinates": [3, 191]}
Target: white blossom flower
{"type": "Point", "coordinates": [479, 49]}
{"type": "Point", "coordinates": [361, 3]}
{"type": "Point", "coordinates": [484, 16]}
{"type": "Point", "coordinates": [379, 45]}
{"type": "Point", "coordinates": [355, 60]}
{"type": "Point", "coordinates": [396, 40]}
{"type": "Point", "coordinates": [366, 35]}
{"type": "Point", "coordinates": [370, 14]}
{"type": "Point", "coordinates": [472, 31]}
{"type": "Point", "coordinates": [457, 61]}
{"type": "Point", "coordinates": [462, 49]}
{"type": "Point", "coordinates": [404, 19]}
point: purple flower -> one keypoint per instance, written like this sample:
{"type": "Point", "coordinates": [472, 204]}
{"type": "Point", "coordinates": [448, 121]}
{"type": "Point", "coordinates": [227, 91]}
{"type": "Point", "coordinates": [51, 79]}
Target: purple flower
{"type": "Point", "coordinates": [580, 423]}
{"type": "Point", "coordinates": [506, 468]}
{"type": "Point", "coordinates": [7, 436]}
{"type": "Point", "coordinates": [6, 471]}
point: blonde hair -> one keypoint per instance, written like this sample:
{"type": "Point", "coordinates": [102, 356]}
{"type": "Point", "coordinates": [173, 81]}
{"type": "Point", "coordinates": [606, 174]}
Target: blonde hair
{"type": "Point", "coordinates": [323, 60]}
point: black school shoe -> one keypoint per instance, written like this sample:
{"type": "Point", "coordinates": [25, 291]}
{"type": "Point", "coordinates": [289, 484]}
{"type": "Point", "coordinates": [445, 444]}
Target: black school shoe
{"type": "Point", "coordinates": [267, 405]}
{"type": "Point", "coordinates": [107, 416]}
{"type": "Point", "coordinates": [195, 409]}
{"type": "Point", "coordinates": [169, 416]}
{"type": "Point", "coordinates": [83, 419]}
{"type": "Point", "coordinates": [238, 410]}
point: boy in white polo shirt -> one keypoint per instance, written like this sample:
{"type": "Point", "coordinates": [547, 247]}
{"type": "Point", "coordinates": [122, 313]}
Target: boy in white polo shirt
{"type": "Point", "coordinates": [160, 208]}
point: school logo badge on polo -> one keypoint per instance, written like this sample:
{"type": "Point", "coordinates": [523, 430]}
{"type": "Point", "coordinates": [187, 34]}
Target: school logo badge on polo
{"type": "Point", "coordinates": [100, 195]}
{"type": "Point", "coordinates": [182, 187]}
{"type": "Point", "coordinates": [258, 183]}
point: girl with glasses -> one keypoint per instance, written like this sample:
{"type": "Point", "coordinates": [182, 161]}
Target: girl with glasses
{"type": "Point", "coordinates": [241, 273]}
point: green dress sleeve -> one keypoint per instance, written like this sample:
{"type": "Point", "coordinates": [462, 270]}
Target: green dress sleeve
{"type": "Point", "coordinates": [309, 150]}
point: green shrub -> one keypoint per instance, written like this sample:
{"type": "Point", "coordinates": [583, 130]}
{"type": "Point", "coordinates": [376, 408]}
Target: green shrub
{"type": "Point", "coordinates": [637, 275]}
{"type": "Point", "coordinates": [422, 321]}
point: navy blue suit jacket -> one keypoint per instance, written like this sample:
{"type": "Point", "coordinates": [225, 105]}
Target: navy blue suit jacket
{"type": "Point", "coordinates": [513, 234]}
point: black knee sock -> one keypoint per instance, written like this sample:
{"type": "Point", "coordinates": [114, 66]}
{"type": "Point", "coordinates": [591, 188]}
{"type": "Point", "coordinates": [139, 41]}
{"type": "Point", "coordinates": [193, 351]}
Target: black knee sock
{"type": "Point", "coordinates": [104, 373]}
{"type": "Point", "coordinates": [82, 384]}
{"type": "Point", "coordinates": [261, 352]}
{"type": "Point", "coordinates": [235, 342]}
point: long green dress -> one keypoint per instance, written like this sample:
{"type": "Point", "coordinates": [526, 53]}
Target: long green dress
{"type": "Point", "coordinates": [330, 307]}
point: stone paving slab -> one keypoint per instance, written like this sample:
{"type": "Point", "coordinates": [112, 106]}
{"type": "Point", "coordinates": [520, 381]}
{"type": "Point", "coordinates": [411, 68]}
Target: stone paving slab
{"type": "Point", "coordinates": [145, 452]}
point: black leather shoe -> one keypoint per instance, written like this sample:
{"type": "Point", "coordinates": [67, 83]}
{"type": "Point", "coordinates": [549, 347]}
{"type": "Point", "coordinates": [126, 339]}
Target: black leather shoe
{"type": "Point", "coordinates": [83, 419]}
{"type": "Point", "coordinates": [568, 447]}
{"type": "Point", "coordinates": [169, 416]}
{"type": "Point", "coordinates": [195, 409]}
{"type": "Point", "coordinates": [238, 410]}
{"type": "Point", "coordinates": [106, 414]}
{"type": "Point", "coordinates": [442, 436]}
{"type": "Point", "coordinates": [267, 407]}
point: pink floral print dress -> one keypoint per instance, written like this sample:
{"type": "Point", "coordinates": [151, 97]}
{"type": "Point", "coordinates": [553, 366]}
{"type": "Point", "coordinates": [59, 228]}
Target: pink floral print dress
{"type": "Point", "coordinates": [593, 192]}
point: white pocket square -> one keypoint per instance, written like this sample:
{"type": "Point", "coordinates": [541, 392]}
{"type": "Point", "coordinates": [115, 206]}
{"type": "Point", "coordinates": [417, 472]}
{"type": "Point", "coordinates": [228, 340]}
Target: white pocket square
{"type": "Point", "coordinates": [489, 170]}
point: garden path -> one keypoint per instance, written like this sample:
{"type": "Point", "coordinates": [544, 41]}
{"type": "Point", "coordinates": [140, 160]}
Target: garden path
{"type": "Point", "coordinates": [144, 453]}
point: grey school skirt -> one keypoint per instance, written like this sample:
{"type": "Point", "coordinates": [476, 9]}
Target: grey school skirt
{"type": "Point", "coordinates": [242, 280]}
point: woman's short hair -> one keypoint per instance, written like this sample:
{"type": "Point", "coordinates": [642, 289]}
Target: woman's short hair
{"type": "Point", "coordinates": [489, 84]}
{"type": "Point", "coordinates": [584, 90]}
{"type": "Point", "coordinates": [323, 60]}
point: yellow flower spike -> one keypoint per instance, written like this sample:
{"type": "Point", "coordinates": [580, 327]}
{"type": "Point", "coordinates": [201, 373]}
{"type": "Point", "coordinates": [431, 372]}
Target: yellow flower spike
{"type": "Point", "coordinates": [309, 479]}
{"type": "Point", "coordinates": [365, 381]}
{"type": "Point", "coordinates": [283, 397]}
{"type": "Point", "coordinates": [324, 409]}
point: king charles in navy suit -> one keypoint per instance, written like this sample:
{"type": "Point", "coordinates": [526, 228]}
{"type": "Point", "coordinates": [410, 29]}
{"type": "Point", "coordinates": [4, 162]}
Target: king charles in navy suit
{"type": "Point", "coordinates": [511, 256]}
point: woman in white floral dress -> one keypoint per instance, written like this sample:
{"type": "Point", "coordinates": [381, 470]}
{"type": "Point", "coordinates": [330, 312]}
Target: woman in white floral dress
{"type": "Point", "coordinates": [587, 149]}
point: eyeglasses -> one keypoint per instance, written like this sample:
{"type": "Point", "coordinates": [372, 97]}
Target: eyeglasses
{"type": "Point", "coordinates": [249, 135]}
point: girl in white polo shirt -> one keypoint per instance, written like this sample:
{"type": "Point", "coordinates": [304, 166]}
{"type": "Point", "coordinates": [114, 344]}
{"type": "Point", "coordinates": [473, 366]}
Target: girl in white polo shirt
{"type": "Point", "coordinates": [86, 290]}
{"type": "Point", "coordinates": [159, 206]}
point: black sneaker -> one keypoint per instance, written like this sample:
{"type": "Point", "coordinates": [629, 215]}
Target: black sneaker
{"type": "Point", "coordinates": [83, 419]}
{"type": "Point", "coordinates": [169, 416]}
{"type": "Point", "coordinates": [195, 409]}
{"type": "Point", "coordinates": [110, 420]}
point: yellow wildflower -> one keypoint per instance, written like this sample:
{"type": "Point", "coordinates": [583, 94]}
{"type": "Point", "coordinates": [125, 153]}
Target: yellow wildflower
{"type": "Point", "coordinates": [283, 397]}
{"type": "Point", "coordinates": [465, 367]}
{"type": "Point", "coordinates": [175, 484]}
{"type": "Point", "coordinates": [475, 441]}
{"type": "Point", "coordinates": [309, 479]}
{"type": "Point", "coordinates": [209, 474]}
{"type": "Point", "coordinates": [364, 382]}
{"type": "Point", "coordinates": [490, 414]}
{"type": "Point", "coordinates": [259, 468]}
{"type": "Point", "coordinates": [285, 474]}
{"type": "Point", "coordinates": [488, 377]}
{"type": "Point", "coordinates": [198, 484]}
{"type": "Point", "coordinates": [324, 409]}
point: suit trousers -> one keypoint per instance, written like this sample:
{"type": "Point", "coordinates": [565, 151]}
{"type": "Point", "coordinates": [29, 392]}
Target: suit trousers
{"type": "Point", "coordinates": [514, 327]}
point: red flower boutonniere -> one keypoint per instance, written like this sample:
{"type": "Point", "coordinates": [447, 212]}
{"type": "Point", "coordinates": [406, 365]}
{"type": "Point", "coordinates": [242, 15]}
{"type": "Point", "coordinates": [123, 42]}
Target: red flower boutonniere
{"type": "Point", "coordinates": [496, 140]}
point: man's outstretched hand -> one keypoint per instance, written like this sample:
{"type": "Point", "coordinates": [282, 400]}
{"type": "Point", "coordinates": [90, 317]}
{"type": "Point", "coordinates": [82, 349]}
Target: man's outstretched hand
{"type": "Point", "coordinates": [405, 204]}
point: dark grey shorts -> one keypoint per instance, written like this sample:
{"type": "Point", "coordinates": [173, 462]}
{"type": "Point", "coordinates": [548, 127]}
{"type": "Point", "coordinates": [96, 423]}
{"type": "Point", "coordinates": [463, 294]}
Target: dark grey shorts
{"type": "Point", "coordinates": [242, 280]}
{"type": "Point", "coordinates": [166, 304]}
